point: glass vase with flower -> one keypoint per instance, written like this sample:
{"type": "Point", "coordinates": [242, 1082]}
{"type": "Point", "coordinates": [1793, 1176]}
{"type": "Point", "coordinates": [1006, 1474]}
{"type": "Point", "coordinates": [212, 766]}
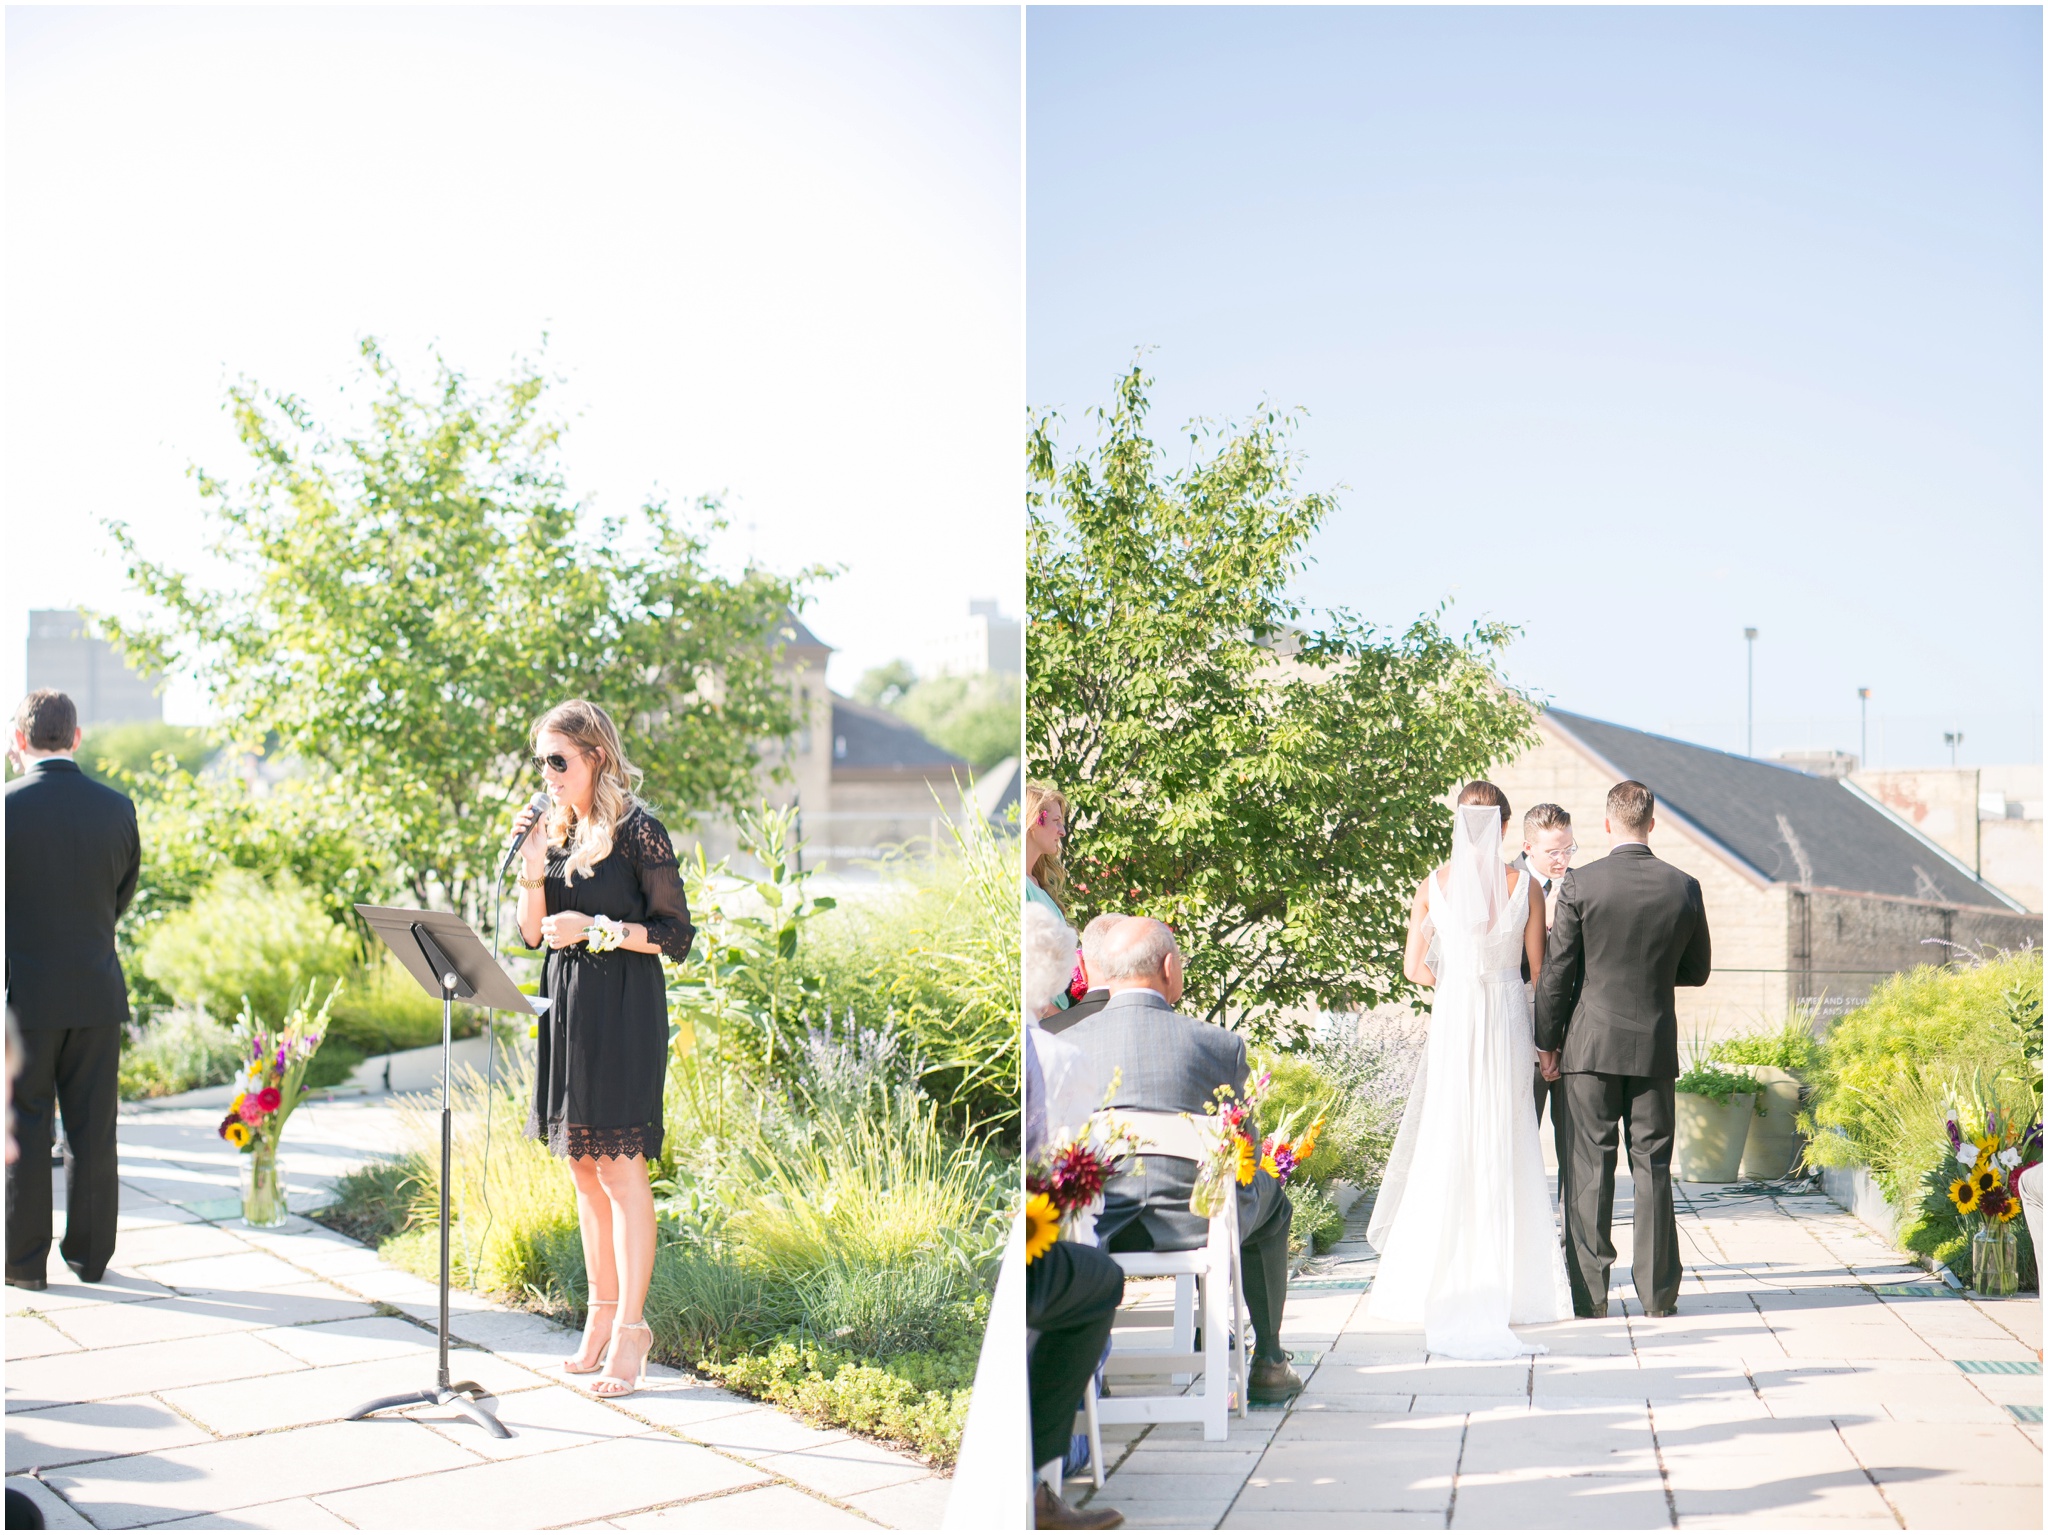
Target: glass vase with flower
{"type": "Point", "coordinates": [1994, 1147]}
{"type": "Point", "coordinates": [272, 1079]}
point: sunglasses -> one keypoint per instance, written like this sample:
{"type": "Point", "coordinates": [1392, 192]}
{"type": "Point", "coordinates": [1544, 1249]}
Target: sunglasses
{"type": "Point", "coordinates": [554, 760]}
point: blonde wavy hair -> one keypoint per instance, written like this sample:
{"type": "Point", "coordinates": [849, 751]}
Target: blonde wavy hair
{"type": "Point", "coordinates": [612, 798]}
{"type": "Point", "coordinates": [1048, 873]}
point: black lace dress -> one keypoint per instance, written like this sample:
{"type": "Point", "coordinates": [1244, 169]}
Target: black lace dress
{"type": "Point", "coordinates": [604, 1042]}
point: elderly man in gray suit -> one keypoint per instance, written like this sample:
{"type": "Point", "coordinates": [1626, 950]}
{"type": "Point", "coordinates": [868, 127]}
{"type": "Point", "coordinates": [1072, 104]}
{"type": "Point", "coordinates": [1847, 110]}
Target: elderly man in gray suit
{"type": "Point", "coordinates": [1170, 1064]}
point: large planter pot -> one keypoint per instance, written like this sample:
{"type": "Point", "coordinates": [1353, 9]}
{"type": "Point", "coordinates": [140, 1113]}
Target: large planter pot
{"type": "Point", "coordinates": [1773, 1142]}
{"type": "Point", "coordinates": [1711, 1137]}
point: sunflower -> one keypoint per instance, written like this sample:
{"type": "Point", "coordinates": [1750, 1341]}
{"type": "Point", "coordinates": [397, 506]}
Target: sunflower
{"type": "Point", "coordinates": [1041, 1226]}
{"type": "Point", "coordinates": [1984, 1180]}
{"type": "Point", "coordinates": [1963, 1195]}
{"type": "Point", "coordinates": [1247, 1160]}
{"type": "Point", "coordinates": [238, 1134]}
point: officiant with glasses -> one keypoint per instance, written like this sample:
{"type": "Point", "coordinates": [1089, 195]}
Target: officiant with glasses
{"type": "Point", "coordinates": [600, 888]}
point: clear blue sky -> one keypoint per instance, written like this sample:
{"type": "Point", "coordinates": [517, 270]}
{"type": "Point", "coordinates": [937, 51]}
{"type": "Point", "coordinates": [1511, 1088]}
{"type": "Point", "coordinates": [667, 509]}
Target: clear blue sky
{"type": "Point", "coordinates": [1632, 326]}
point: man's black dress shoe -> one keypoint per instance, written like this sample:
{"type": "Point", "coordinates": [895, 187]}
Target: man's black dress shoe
{"type": "Point", "coordinates": [83, 1276]}
{"type": "Point", "coordinates": [23, 1282]}
{"type": "Point", "coordinates": [1672, 1312]}
{"type": "Point", "coordinates": [1598, 1314]}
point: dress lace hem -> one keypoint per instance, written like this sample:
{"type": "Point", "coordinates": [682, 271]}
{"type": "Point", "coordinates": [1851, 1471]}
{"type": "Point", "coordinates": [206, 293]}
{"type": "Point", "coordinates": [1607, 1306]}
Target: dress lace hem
{"type": "Point", "coordinates": [577, 1141]}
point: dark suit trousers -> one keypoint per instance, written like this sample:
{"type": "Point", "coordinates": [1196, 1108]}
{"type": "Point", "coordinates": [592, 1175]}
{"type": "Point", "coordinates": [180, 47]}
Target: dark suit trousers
{"type": "Point", "coordinates": [1264, 1257]}
{"type": "Point", "coordinates": [1596, 1105]}
{"type": "Point", "coordinates": [79, 1071]}
{"type": "Point", "coordinates": [1070, 1298]}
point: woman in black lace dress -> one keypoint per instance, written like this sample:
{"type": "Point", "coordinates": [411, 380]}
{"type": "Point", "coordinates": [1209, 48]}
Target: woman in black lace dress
{"type": "Point", "coordinates": [602, 890]}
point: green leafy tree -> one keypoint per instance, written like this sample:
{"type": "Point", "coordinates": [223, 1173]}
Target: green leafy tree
{"type": "Point", "coordinates": [1272, 791]}
{"type": "Point", "coordinates": [971, 717]}
{"type": "Point", "coordinates": [883, 687]}
{"type": "Point", "coordinates": [410, 598]}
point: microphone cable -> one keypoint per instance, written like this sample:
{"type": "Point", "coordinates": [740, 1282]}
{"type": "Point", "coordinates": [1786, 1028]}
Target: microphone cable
{"type": "Point", "coordinates": [537, 804]}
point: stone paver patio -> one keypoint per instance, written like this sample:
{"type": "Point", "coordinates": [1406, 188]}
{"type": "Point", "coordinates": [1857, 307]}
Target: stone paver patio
{"type": "Point", "coordinates": [1812, 1378]}
{"type": "Point", "coordinates": [200, 1386]}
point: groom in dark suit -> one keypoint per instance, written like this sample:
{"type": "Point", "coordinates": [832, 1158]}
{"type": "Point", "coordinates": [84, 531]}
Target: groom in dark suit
{"type": "Point", "coordinates": [1172, 1064]}
{"type": "Point", "coordinates": [1629, 928]}
{"type": "Point", "coordinates": [73, 858]}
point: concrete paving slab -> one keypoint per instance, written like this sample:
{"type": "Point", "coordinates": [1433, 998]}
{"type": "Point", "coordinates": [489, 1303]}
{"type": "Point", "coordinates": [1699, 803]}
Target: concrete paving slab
{"type": "Point", "coordinates": [549, 1418]}
{"type": "Point", "coordinates": [1411, 1473]}
{"type": "Point", "coordinates": [919, 1505]}
{"type": "Point", "coordinates": [761, 1508]}
{"type": "Point", "coordinates": [57, 1514]}
{"type": "Point", "coordinates": [762, 1432]}
{"type": "Point", "coordinates": [1560, 1503]}
{"type": "Point", "coordinates": [353, 1340]}
{"type": "Point", "coordinates": [30, 1337]}
{"type": "Point", "coordinates": [587, 1482]}
{"type": "Point", "coordinates": [170, 1243]}
{"type": "Point", "coordinates": [291, 1306]}
{"type": "Point", "coordinates": [684, 1405]}
{"type": "Point", "coordinates": [1310, 1519]}
{"type": "Point", "coordinates": [102, 1374]}
{"type": "Point", "coordinates": [65, 1436]}
{"type": "Point", "coordinates": [157, 1321]}
{"type": "Point", "coordinates": [845, 1467]}
{"type": "Point", "coordinates": [1980, 1454]}
{"type": "Point", "coordinates": [1597, 1441]}
{"type": "Point", "coordinates": [299, 1395]}
{"type": "Point", "coordinates": [114, 1288]}
{"type": "Point", "coordinates": [243, 1473]}
{"type": "Point", "coordinates": [1953, 1506]}
{"type": "Point", "coordinates": [245, 1270]}
{"type": "Point", "coordinates": [291, 1514]}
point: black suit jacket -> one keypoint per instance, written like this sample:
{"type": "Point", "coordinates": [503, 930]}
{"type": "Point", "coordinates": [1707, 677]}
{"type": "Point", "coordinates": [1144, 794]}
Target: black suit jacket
{"type": "Point", "coordinates": [73, 856]}
{"type": "Point", "coordinates": [1171, 1065]}
{"type": "Point", "coordinates": [1629, 929]}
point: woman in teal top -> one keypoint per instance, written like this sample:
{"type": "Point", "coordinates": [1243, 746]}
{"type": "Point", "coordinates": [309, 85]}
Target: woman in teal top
{"type": "Point", "coordinates": [1045, 878]}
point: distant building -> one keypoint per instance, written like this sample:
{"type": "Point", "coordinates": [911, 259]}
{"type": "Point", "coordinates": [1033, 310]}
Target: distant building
{"type": "Point", "coordinates": [105, 689]}
{"type": "Point", "coordinates": [1816, 889]}
{"type": "Point", "coordinates": [863, 780]}
{"type": "Point", "coordinates": [1989, 817]}
{"type": "Point", "coordinates": [984, 642]}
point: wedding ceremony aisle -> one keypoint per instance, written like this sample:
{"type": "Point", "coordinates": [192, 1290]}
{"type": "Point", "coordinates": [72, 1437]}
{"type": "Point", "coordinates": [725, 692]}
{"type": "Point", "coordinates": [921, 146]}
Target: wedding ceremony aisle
{"type": "Point", "coordinates": [1812, 1378]}
{"type": "Point", "coordinates": [202, 1384]}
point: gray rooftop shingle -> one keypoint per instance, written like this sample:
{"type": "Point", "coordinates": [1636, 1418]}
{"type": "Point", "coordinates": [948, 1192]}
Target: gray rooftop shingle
{"type": "Point", "coordinates": [1787, 825]}
{"type": "Point", "coordinates": [869, 738]}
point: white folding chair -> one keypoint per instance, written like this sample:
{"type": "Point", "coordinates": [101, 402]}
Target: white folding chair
{"type": "Point", "coordinates": [1208, 1283]}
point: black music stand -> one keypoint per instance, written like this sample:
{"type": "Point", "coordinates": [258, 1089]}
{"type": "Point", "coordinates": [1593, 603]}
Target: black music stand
{"type": "Point", "coordinates": [445, 955]}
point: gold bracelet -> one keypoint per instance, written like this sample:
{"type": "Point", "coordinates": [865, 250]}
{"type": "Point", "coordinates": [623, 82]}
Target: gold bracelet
{"type": "Point", "coordinates": [532, 884]}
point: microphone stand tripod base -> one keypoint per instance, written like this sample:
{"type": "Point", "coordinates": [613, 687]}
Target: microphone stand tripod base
{"type": "Point", "coordinates": [456, 1396]}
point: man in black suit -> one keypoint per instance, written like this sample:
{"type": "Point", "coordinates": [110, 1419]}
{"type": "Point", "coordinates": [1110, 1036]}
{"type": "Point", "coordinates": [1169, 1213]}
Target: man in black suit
{"type": "Point", "coordinates": [1546, 856]}
{"type": "Point", "coordinates": [73, 856]}
{"type": "Point", "coordinates": [1171, 1064]}
{"type": "Point", "coordinates": [1629, 928]}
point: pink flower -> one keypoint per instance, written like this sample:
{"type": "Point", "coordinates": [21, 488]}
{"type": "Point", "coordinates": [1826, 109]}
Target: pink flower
{"type": "Point", "coordinates": [252, 1108]}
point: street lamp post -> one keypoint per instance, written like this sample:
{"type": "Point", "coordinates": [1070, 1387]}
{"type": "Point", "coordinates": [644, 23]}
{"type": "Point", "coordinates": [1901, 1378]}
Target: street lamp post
{"type": "Point", "coordinates": [1749, 710]}
{"type": "Point", "coordinates": [1952, 739]}
{"type": "Point", "coordinates": [1863, 703]}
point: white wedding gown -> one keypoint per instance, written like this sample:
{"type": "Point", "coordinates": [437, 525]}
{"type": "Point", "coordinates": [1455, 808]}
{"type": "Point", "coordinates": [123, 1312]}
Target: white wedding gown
{"type": "Point", "coordinates": [1463, 1226]}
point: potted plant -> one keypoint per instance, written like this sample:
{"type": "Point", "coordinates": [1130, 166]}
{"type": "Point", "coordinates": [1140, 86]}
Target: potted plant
{"type": "Point", "coordinates": [273, 1076]}
{"type": "Point", "coordinates": [1714, 1108]}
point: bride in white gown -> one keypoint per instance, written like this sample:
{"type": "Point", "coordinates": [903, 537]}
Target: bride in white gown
{"type": "Point", "coordinates": [1463, 1225]}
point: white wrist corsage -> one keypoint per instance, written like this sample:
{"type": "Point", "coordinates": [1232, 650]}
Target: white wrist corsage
{"type": "Point", "coordinates": [604, 933]}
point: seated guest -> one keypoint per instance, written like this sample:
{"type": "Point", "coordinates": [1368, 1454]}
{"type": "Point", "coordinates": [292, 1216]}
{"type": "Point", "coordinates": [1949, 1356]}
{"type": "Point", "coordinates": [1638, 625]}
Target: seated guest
{"type": "Point", "coordinates": [1071, 1291]}
{"type": "Point", "coordinates": [1097, 994]}
{"type": "Point", "coordinates": [1171, 1064]}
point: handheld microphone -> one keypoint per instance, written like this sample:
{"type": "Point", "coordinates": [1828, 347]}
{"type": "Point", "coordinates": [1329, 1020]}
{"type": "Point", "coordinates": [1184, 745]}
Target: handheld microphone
{"type": "Point", "coordinates": [538, 805]}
